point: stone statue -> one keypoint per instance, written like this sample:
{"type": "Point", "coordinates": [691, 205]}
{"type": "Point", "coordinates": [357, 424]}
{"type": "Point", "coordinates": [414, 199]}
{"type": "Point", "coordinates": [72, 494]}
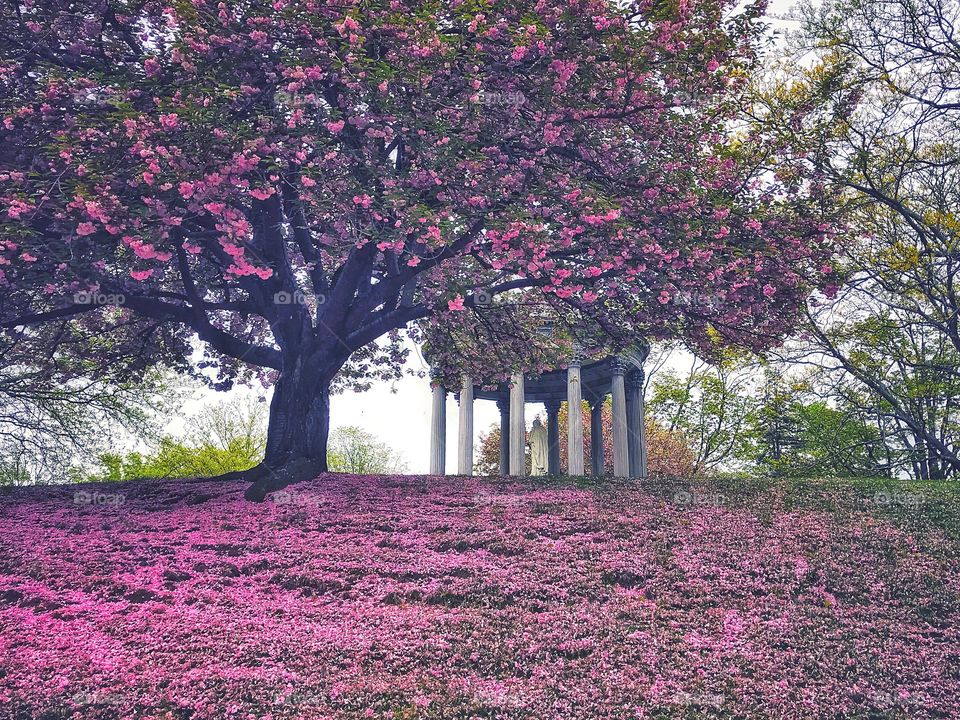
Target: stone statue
{"type": "Point", "coordinates": [539, 444]}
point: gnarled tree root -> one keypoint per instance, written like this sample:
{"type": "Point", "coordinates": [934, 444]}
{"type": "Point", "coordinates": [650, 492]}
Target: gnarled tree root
{"type": "Point", "coordinates": [266, 479]}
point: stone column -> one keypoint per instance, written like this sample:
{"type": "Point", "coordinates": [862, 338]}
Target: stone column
{"type": "Point", "coordinates": [596, 437]}
{"type": "Point", "coordinates": [636, 434]}
{"type": "Point", "coordinates": [438, 430]}
{"type": "Point", "coordinates": [465, 445]}
{"type": "Point", "coordinates": [553, 437]}
{"type": "Point", "coordinates": [504, 407]}
{"type": "Point", "coordinates": [621, 460]}
{"type": "Point", "coordinates": [574, 419]}
{"type": "Point", "coordinates": [518, 427]}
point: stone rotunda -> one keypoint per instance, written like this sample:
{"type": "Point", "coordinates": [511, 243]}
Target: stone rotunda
{"type": "Point", "coordinates": [620, 376]}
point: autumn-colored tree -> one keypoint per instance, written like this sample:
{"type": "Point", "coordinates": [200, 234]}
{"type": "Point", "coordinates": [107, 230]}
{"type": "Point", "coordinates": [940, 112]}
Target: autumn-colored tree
{"type": "Point", "coordinates": [487, 460]}
{"type": "Point", "coordinates": [668, 452]}
{"type": "Point", "coordinates": [290, 181]}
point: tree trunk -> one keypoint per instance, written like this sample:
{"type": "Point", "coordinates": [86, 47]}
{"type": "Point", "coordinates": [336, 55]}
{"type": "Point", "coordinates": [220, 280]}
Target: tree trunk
{"type": "Point", "coordinates": [298, 430]}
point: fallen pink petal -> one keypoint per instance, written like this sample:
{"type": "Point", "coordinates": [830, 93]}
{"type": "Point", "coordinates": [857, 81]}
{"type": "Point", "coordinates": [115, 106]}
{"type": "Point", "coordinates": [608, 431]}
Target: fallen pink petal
{"type": "Point", "coordinates": [355, 597]}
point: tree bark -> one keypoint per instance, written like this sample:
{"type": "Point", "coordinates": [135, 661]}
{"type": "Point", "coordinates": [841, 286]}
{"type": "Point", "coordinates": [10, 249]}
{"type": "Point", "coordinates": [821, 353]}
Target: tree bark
{"type": "Point", "coordinates": [298, 430]}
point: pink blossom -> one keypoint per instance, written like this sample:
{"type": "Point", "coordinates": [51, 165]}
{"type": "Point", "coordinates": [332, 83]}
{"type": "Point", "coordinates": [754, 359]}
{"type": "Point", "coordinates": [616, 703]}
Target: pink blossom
{"type": "Point", "coordinates": [169, 121]}
{"type": "Point", "coordinates": [262, 193]}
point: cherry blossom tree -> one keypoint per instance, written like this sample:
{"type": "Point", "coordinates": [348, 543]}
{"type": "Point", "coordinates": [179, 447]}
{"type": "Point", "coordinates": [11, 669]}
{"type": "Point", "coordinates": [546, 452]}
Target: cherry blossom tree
{"type": "Point", "coordinates": [281, 187]}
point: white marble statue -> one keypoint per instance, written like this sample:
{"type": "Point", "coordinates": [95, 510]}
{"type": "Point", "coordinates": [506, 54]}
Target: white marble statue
{"type": "Point", "coordinates": [539, 444]}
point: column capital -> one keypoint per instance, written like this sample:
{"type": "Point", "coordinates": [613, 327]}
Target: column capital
{"type": "Point", "coordinates": [598, 402]}
{"type": "Point", "coordinates": [503, 404]}
{"type": "Point", "coordinates": [436, 380]}
{"type": "Point", "coordinates": [635, 378]}
{"type": "Point", "coordinates": [618, 365]}
{"type": "Point", "coordinates": [553, 406]}
{"type": "Point", "coordinates": [576, 356]}
{"type": "Point", "coordinates": [467, 386]}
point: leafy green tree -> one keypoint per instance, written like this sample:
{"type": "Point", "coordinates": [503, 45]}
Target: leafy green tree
{"type": "Point", "coordinates": [223, 438]}
{"type": "Point", "coordinates": [356, 451]}
{"type": "Point", "coordinates": [802, 430]}
{"type": "Point", "coordinates": [903, 376]}
{"type": "Point", "coordinates": [887, 334]}
{"type": "Point", "coordinates": [841, 442]}
{"type": "Point", "coordinates": [712, 406]}
{"type": "Point", "coordinates": [53, 426]}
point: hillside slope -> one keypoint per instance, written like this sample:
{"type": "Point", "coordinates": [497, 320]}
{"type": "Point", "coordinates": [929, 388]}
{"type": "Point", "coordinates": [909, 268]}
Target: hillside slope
{"type": "Point", "coordinates": [441, 598]}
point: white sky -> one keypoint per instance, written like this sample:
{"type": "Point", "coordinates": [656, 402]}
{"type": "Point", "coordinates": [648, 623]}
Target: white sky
{"type": "Point", "coordinates": [402, 418]}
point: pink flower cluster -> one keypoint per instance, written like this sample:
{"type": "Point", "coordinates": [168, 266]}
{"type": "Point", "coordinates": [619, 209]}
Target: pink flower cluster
{"type": "Point", "coordinates": [358, 597]}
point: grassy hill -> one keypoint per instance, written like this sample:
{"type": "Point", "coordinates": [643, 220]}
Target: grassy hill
{"type": "Point", "coordinates": [441, 598]}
